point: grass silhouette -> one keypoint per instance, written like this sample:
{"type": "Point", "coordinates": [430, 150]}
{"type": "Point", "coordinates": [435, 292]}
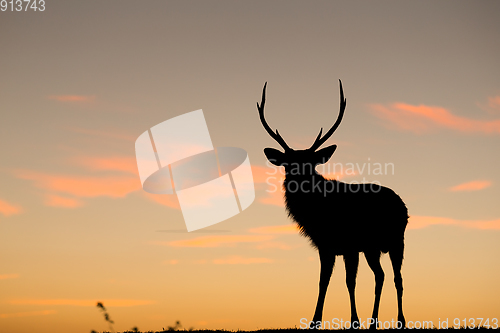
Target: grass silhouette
{"type": "Point", "coordinates": [101, 307]}
{"type": "Point", "coordinates": [135, 329]}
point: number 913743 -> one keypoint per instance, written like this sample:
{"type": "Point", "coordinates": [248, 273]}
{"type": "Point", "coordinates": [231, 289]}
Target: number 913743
{"type": "Point", "coordinates": [22, 5]}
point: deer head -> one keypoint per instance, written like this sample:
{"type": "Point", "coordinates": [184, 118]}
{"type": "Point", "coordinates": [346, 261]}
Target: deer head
{"type": "Point", "coordinates": [306, 159]}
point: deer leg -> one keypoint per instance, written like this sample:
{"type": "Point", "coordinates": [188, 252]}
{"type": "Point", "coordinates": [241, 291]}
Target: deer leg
{"type": "Point", "coordinates": [373, 259]}
{"type": "Point", "coordinates": [327, 260]}
{"type": "Point", "coordinates": [351, 261]}
{"type": "Point", "coordinates": [396, 256]}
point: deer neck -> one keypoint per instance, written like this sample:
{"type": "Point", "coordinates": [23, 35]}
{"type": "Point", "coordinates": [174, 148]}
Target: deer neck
{"type": "Point", "coordinates": [303, 197]}
{"type": "Point", "coordinates": [298, 185]}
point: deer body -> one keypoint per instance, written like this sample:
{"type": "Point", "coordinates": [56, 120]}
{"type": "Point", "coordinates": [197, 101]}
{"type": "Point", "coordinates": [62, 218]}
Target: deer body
{"type": "Point", "coordinates": [340, 218]}
{"type": "Point", "coordinates": [349, 217]}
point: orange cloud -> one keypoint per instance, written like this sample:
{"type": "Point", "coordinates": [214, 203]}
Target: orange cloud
{"type": "Point", "coordinates": [238, 260]}
{"type": "Point", "coordinates": [203, 261]}
{"type": "Point", "coordinates": [262, 173]}
{"type": "Point", "coordinates": [117, 163]}
{"type": "Point", "coordinates": [218, 241]}
{"type": "Point", "coordinates": [483, 225]}
{"type": "Point", "coordinates": [8, 276]}
{"type": "Point", "coordinates": [168, 200]}
{"type": "Point", "coordinates": [81, 186]}
{"type": "Point", "coordinates": [276, 229]}
{"type": "Point", "coordinates": [273, 198]}
{"type": "Point", "coordinates": [8, 209]}
{"type": "Point", "coordinates": [419, 222]}
{"type": "Point", "coordinates": [422, 118]}
{"type": "Point", "coordinates": [27, 314]}
{"type": "Point", "coordinates": [58, 201]}
{"type": "Point", "coordinates": [171, 262]}
{"type": "Point", "coordinates": [272, 179]}
{"type": "Point", "coordinates": [82, 302]}
{"type": "Point", "coordinates": [475, 185]}
{"type": "Point", "coordinates": [273, 245]}
{"type": "Point", "coordinates": [72, 98]}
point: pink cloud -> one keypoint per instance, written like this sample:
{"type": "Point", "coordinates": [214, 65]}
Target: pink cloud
{"type": "Point", "coordinates": [115, 186]}
{"type": "Point", "coordinates": [72, 98]}
{"type": "Point", "coordinates": [83, 186]}
{"type": "Point", "coordinates": [218, 241]}
{"type": "Point", "coordinates": [239, 260]}
{"type": "Point", "coordinates": [8, 209]}
{"type": "Point", "coordinates": [419, 222]}
{"type": "Point", "coordinates": [125, 164]}
{"type": "Point", "coordinates": [58, 201]}
{"type": "Point", "coordinates": [422, 118]}
{"type": "Point", "coordinates": [475, 185]}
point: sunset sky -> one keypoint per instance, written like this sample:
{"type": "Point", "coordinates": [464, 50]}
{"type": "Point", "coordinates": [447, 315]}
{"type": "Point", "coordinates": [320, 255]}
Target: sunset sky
{"type": "Point", "coordinates": [80, 81]}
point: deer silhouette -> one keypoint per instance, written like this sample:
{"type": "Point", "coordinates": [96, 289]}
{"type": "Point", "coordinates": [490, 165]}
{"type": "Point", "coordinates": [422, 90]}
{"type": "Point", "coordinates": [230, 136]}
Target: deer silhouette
{"type": "Point", "coordinates": [341, 219]}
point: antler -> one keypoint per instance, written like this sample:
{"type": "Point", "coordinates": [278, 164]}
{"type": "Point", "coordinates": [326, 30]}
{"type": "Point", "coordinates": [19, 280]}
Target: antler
{"type": "Point", "coordinates": [320, 140]}
{"type": "Point", "coordinates": [276, 136]}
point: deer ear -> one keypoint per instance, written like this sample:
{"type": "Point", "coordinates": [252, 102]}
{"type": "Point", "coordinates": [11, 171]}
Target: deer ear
{"type": "Point", "coordinates": [323, 155]}
{"type": "Point", "coordinates": [275, 156]}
